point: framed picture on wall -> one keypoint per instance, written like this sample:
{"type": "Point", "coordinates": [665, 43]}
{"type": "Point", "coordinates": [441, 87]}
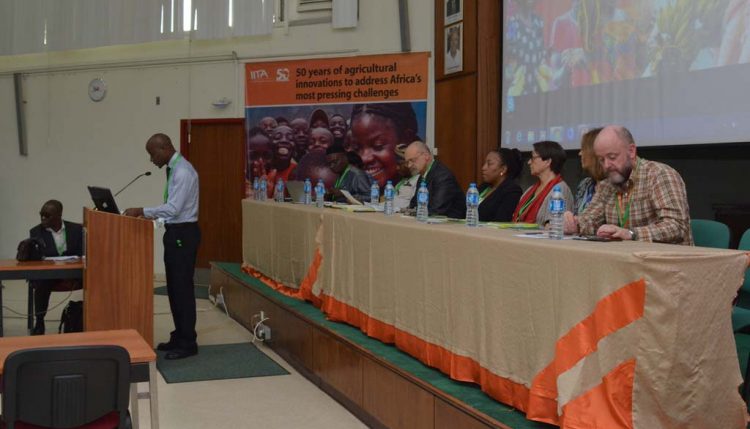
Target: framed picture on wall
{"type": "Point", "coordinates": [454, 11]}
{"type": "Point", "coordinates": [454, 39]}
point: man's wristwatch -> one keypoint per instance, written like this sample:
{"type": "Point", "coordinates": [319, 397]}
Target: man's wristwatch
{"type": "Point", "coordinates": [633, 235]}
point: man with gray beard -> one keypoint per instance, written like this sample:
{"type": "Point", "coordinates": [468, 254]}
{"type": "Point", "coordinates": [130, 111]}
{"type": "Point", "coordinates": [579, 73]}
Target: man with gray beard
{"type": "Point", "coordinates": [639, 200]}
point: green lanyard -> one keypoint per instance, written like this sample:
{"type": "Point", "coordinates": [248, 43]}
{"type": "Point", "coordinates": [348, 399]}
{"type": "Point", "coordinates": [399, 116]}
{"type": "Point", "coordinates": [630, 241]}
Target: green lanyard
{"type": "Point", "coordinates": [169, 176]}
{"type": "Point", "coordinates": [484, 193]}
{"type": "Point", "coordinates": [429, 167]}
{"type": "Point", "coordinates": [61, 247]}
{"type": "Point", "coordinates": [525, 207]}
{"type": "Point", "coordinates": [623, 215]}
{"type": "Point", "coordinates": [341, 179]}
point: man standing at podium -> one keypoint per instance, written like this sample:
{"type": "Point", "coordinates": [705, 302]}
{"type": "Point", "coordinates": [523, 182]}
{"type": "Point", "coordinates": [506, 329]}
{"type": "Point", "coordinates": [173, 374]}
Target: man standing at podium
{"type": "Point", "coordinates": [181, 240]}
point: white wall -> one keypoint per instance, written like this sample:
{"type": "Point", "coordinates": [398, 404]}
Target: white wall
{"type": "Point", "coordinates": [74, 142]}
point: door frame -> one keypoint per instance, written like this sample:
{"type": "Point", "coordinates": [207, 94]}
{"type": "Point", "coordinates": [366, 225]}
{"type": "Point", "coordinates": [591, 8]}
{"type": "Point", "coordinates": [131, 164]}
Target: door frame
{"type": "Point", "coordinates": [185, 136]}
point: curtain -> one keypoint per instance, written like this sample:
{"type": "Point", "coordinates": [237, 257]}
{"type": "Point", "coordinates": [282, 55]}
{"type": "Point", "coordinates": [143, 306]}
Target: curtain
{"type": "Point", "coordinates": [29, 26]}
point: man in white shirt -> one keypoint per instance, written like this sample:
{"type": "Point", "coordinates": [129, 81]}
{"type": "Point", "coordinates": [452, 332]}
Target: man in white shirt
{"type": "Point", "coordinates": [61, 238]}
{"type": "Point", "coordinates": [181, 241]}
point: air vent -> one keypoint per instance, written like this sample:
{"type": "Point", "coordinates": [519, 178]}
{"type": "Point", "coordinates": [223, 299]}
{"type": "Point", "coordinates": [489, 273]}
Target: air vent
{"type": "Point", "coordinates": [304, 6]}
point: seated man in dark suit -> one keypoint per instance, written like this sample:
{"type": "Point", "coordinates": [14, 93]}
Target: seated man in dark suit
{"type": "Point", "coordinates": [446, 196]}
{"type": "Point", "coordinates": [351, 178]}
{"type": "Point", "coordinates": [61, 238]}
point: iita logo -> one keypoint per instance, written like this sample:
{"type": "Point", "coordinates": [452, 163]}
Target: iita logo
{"type": "Point", "coordinates": [282, 75]}
{"type": "Point", "coordinates": [258, 74]}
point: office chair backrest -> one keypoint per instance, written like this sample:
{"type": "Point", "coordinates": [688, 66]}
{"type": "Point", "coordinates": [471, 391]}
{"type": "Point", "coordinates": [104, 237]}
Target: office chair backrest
{"type": "Point", "coordinates": [710, 233]}
{"type": "Point", "coordinates": [745, 245]}
{"type": "Point", "coordinates": [64, 387]}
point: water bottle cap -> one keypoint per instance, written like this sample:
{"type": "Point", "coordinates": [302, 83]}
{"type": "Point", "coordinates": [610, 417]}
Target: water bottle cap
{"type": "Point", "coordinates": [389, 183]}
{"type": "Point", "coordinates": [472, 185]}
{"type": "Point", "coordinates": [556, 189]}
{"type": "Point", "coordinates": [423, 185]}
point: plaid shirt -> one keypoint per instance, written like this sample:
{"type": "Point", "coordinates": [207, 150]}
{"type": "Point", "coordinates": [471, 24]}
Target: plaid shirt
{"type": "Point", "coordinates": [658, 209]}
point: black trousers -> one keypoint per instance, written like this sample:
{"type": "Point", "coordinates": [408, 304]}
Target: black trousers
{"type": "Point", "coordinates": [181, 243]}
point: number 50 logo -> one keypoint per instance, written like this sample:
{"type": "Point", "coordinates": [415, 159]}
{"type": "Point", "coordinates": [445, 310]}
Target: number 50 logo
{"type": "Point", "coordinates": [282, 75]}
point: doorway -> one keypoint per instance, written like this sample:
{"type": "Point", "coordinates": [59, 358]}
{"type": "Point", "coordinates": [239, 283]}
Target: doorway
{"type": "Point", "coordinates": [216, 148]}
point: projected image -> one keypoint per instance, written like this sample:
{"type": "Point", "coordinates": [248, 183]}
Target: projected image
{"type": "Point", "coordinates": [686, 50]}
{"type": "Point", "coordinates": [554, 44]}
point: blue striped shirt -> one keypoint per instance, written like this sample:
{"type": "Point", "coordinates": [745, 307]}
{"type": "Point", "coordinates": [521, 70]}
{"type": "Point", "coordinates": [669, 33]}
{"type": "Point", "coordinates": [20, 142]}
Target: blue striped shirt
{"type": "Point", "coordinates": [182, 191]}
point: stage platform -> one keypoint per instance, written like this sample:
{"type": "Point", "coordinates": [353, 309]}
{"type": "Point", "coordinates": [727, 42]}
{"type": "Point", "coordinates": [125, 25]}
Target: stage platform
{"type": "Point", "coordinates": [382, 386]}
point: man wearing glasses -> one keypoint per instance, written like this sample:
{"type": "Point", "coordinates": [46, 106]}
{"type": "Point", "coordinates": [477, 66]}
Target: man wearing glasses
{"type": "Point", "coordinates": [446, 196]}
{"type": "Point", "coordinates": [640, 199]}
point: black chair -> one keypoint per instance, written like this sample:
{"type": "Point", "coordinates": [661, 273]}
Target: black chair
{"type": "Point", "coordinates": [66, 387]}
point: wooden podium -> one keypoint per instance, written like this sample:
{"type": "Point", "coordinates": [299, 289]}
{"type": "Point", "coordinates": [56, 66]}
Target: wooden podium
{"type": "Point", "coordinates": [118, 275]}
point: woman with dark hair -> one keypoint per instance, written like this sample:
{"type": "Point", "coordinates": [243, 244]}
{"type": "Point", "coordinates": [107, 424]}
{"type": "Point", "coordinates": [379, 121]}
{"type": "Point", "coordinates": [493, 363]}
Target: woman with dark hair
{"type": "Point", "coordinates": [546, 162]}
{"type": "Point", "coordinates": [590, 165]}
{"type": "Point", "coordinates": [499, 194]}
{"type": "Point", "coordinates": [377, 129]}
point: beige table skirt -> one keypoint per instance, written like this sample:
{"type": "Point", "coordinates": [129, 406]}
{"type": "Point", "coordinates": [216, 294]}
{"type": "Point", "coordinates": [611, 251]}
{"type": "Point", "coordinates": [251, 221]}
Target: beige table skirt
{"type": "Point", "coordinates": [578, 334]}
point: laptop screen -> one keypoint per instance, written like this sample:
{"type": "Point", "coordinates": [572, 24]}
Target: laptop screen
{"type": "Point", "coordinates": [103, 199]}
{"type": "Point", "coordinates": [296, 190]}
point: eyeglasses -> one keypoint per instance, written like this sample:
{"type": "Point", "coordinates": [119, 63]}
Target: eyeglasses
{"type": "Point", "coordinates": [533, 157]}
{"type": "Point", "coordinates": [413, 159]}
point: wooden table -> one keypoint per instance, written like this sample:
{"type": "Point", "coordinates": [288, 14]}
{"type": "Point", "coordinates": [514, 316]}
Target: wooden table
{"type": "Point", "coordinates": [10, 269]}
{"type": "Point", "coordinates": [142, 359]}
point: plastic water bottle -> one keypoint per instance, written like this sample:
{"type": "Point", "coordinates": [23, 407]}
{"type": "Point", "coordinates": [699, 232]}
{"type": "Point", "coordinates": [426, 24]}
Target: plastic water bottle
{"type": "Point", "coordinates": [374, 193]}
{"type": "Point", "coordinates": [308, 192]}
{"type": "Point", "coordinates": [472, 206]}
{"type": "Point", "coordinates": [279, 191]}
{"type": "Point", "coordinates": [423, 198]}
{"type": "Point", "coordinates": [320, 191]}
{"type": "Point", "coordinates": [256, 188]}
{"type": "Point", "coordinates": [556, 209]}
{"type": "Point", "coordinates": [263, 189]}
{"type": "Point", "coordinates": [388, 194]}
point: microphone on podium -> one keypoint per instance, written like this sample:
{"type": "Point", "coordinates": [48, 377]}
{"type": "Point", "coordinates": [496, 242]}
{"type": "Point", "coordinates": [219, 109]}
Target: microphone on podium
{"type": "Point", "coordinates": [148, 173]}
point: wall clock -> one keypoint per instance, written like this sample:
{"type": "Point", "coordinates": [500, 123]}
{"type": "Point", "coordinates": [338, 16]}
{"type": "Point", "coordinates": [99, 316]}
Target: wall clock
{"type": "Point", "coordinates": [97, 89]}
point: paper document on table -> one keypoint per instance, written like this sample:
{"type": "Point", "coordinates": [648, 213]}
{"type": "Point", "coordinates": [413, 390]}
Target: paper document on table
{"type": "Point", "coordinates": [62, 258]}
{"type": "Point", "coordinates": [541, 234]}
{"type": "Point", "coordinates": [538, 234]}
{"type": "Point", "coordinates": [349, 197]}
{"type": "Point", "coordinates": [353, 207]}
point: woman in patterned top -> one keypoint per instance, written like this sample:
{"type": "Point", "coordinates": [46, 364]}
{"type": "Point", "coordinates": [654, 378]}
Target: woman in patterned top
{"type": "Point", "coordinates": [590, 165]}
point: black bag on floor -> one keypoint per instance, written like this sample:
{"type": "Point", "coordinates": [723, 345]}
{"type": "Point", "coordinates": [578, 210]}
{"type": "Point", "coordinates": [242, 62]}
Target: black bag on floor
{"type": "Point", "coordinates": [72, 317]}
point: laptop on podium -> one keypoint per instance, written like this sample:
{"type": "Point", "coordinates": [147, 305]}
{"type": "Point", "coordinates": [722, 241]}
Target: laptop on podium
{"type": "Point", "coordinates": [103, 199]}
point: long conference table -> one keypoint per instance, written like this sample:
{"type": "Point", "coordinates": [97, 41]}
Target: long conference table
{"type": "Point", "coordinates": [577, 334]}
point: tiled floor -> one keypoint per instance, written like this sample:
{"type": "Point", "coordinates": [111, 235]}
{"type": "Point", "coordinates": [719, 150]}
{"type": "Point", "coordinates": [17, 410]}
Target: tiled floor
{"type": "Point", "coordinates": [287, 401]}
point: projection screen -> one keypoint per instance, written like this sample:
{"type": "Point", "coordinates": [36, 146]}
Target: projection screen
{"type": "Point", "coordinates": [673, 71]}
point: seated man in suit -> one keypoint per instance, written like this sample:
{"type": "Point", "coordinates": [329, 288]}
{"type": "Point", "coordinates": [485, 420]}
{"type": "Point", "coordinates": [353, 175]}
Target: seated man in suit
{"type": "Point", "coordinates": [61, 238]}
{"type": "Point", "coordinates": [351, 178]}
{"type": "Point", "coordinates": [446, 196]}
